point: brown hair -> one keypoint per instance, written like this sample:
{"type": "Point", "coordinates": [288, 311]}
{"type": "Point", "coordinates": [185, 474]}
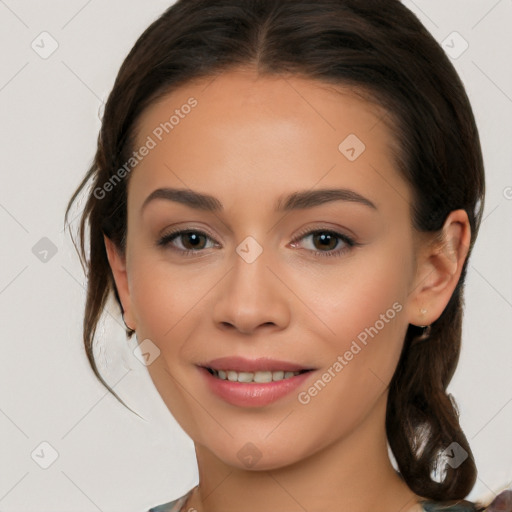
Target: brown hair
{"type": "Point", "coordinates": [373, 46]}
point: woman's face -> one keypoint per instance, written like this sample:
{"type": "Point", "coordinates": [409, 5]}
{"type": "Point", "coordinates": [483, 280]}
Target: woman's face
{"type": "Point", "coordinates": [271, 265]}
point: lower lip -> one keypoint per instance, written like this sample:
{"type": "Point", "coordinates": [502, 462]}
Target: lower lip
{"type": "Point", "coordinates": [252, 394]}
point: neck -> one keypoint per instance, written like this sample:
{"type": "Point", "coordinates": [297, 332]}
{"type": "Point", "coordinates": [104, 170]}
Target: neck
{"type": "Point", "coordinates": [354, 475]}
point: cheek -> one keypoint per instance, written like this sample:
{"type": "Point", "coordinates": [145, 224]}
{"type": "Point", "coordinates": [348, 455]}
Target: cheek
{"type": "Point", "coordinates": [363, 292]}
{"type": "Point", "coordinates": [363, 305]}
{"type": "Point", "coordinates": [170, 305]}
{"type": "Point", "coordinates": [163, 295]}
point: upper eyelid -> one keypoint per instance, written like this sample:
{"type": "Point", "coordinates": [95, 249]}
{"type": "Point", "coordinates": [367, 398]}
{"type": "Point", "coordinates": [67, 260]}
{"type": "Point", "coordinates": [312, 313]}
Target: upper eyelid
{"type": "Point", "coordinates": [310, 232]}
{"type": "Point", "coordinates": [180, 231]}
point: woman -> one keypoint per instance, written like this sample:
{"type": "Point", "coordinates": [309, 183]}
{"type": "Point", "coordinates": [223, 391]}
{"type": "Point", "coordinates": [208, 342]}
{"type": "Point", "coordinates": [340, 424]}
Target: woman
{"type": "Point", "coordinates": [284, 199]}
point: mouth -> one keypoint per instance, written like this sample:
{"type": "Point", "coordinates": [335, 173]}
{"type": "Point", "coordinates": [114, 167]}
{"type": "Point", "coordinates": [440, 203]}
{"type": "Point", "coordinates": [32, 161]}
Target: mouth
{"type": "Point", "coordinates": [251, 383]}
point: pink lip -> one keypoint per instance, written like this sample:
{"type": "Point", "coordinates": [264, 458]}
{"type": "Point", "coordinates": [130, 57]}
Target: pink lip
{"type": "Point", "coordinates": [240, 364]}
{"type": "Point", "coordinates": [252, 394]}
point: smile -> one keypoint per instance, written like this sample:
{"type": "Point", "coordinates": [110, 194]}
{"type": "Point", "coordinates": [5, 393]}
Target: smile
{"type": "Point", "coordinates": [257, 388]}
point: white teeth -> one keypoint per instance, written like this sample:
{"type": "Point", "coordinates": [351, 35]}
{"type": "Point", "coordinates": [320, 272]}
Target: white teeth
{"type": "Point", "coordinates": [262, 377]}
{"type": "Point", "coordinates": [245, 376]}
{"type": "Point", "coordinates": [278, 375]}
{"type": "Point", "coordinates": [258, 377]}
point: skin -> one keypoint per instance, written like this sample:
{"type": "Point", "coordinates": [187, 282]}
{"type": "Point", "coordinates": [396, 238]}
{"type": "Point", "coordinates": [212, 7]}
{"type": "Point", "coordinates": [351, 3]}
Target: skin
{"type": "Point", "coordinates": [250, 140]}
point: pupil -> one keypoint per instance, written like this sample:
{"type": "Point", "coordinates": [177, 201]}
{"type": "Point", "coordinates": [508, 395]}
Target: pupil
{"type": "Point", "coordinates": [193, 240]}
{"type": "Point", "coordinates": [329, 239]}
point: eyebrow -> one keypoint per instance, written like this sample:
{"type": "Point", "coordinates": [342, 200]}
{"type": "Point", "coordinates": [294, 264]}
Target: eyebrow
{"type": "Point", "coordinates": [295, 201]}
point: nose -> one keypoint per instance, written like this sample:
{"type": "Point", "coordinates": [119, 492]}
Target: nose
{"type": "Point", "coordinates": [251, 297]}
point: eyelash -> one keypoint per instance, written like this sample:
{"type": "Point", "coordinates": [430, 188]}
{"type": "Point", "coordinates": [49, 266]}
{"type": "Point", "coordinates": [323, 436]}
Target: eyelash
{"type": "Point", "coordinates": [350, 242]}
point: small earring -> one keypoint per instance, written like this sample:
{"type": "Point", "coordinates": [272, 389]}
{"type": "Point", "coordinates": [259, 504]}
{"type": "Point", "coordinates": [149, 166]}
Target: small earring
{"type": "Point", "coordinates": [426, 328]}
{"type": "Point", "coordinates": [423, 312]}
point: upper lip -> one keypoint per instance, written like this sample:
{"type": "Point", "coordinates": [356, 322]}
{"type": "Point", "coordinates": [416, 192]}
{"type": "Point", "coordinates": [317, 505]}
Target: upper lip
{"type": "Point", "coordinates": [240, 364]}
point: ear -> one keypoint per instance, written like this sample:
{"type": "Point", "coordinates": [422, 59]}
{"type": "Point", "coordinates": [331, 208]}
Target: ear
{"type": "Point", "coordinates": [117, 262]}
{"type": "Point", "coordinates": [439, 265]}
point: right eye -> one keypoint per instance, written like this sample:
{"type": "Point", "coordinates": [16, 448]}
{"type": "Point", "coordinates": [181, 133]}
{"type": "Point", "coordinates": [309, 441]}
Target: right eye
{"type": "Point", "coordinates": [186, 241]}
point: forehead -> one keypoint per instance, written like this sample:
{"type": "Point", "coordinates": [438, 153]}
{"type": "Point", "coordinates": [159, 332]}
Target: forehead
{"type": "Point", "coordinates": [238, 133]}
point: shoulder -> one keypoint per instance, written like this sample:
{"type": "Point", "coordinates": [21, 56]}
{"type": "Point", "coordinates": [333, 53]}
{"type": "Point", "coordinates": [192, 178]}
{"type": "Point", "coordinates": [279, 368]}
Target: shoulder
{"type": "Point", "coordinates": [172, 506]}
{"type": "Point", "coordinates": [501, 503]}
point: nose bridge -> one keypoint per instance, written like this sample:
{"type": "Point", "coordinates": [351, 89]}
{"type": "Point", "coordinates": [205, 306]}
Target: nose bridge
{"type": "Point", "coordinates": [251, 295]}
{"type": "Point", "coordinates": [250, 272]}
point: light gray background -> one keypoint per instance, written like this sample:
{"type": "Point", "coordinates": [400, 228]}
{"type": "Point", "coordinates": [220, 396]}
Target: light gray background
{"type": "Point", "coordinates": [108, 458]}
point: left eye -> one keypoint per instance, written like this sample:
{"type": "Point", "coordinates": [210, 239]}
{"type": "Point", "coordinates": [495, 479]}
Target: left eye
{"type": "Point", "coordinates": [326, 243]}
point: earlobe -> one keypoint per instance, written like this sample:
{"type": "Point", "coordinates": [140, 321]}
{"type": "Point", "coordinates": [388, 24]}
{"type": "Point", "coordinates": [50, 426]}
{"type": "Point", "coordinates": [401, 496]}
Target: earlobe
{"type": "Point", "coordinates": [439, 269]}
{"type": "Point", "coordinates": [117, 262]}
